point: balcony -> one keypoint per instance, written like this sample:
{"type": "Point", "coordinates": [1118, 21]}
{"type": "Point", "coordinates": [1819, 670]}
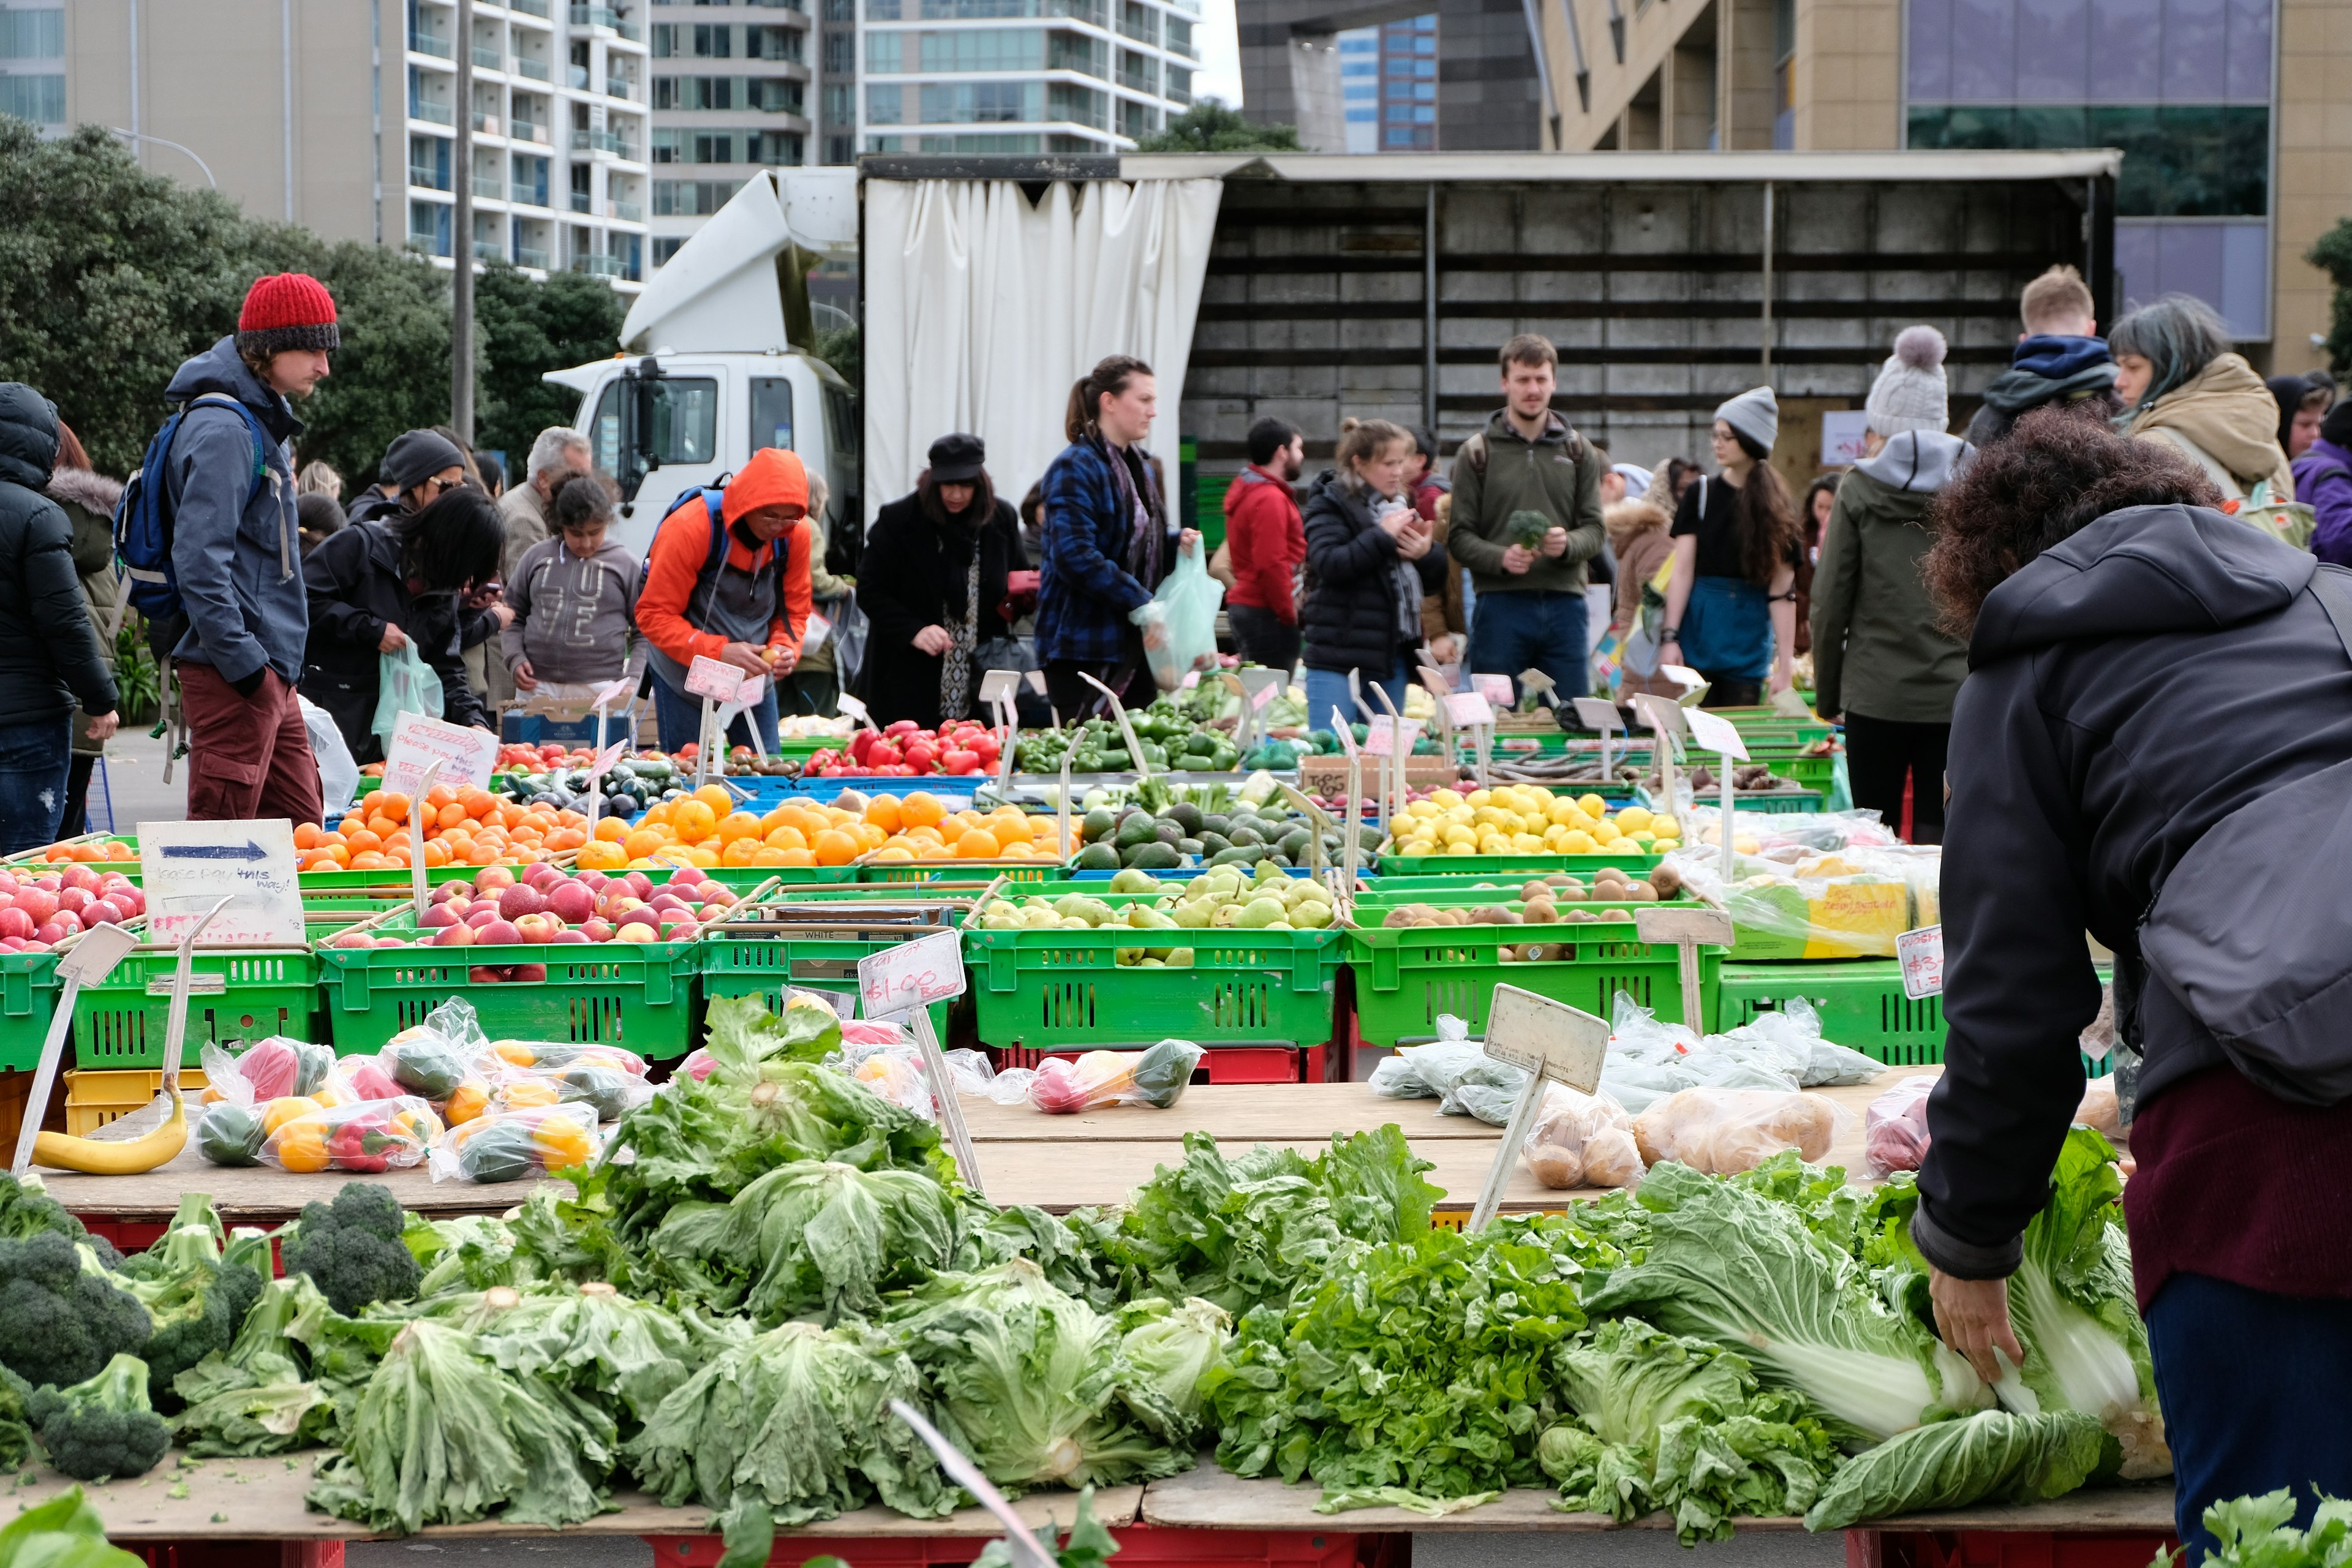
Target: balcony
{"type": "Point", "coordinates": [603, 16]}
{"type": "Point", "coordinates": [489, 60]}
{"type": "Point", "coordinates": [576, 77]}
{"type": "Point", "coordinates": [427, 44]}
{"type": "Point", "coordinates": [616, 87]}
{"type": "Point", "coordinates": [429, 243]}
{"type": "Point", "coordinates": [489, 251]}
{"type": "Point", "coordinates": [1143, 30]}
{"type": "Point", "coordinates": [525, 256]}
{"type": "Point", "coordinates": [533, 194]}
{"type": "Point", "coordinates": [435, 113]}
{"type": "Point", "coordinates": [627, 212]}
{"type": "Point", "coordinates": [487, 124]}
{"type": "Point", "coordinates": [597, 266]}
{"type": "Point", "coordinates": [579, 202]}
{"type": "Point", "coordinates": [524, 131]}
{"type": "Point", "coordinates": [535, 70]}
{"type": "Point", "coordinates": [604, 141]}
{"type": "Point", "coordinates": [1185, 47]}
{"type": "Point", "coordinates": [1140, 81]}
{"type": "Point", "coordinates": [1178, 94]}
{"type": "Point", "coordinates": [542, 9]}
{"type": "Point", "coordinates": [431, 179]}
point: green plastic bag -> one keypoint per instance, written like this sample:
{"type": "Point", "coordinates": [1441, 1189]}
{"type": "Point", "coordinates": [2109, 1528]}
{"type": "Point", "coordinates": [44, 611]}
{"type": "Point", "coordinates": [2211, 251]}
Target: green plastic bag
{"type": "Point", "coordinates": [405, 685]}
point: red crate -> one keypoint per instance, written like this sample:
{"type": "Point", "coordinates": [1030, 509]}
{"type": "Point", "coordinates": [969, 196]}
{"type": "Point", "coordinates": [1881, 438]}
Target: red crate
{"type": "Point", "coordinates": [2003, 1548]}
{"type": "Point", "coordinates": [243, 1555]}
{"type": "Point", "coordinates": [1140, 1544]}
{"type": "Point", "coordinates": [1221, 1063]}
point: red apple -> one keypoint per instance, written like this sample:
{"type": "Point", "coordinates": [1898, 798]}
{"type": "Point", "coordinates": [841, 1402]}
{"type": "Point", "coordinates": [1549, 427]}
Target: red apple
{"type": "Point", "coordinates": [643, 914]}
{"type": "Point", "coordinates": [540, 875]}
{"type": "Point", "coordinates": [439, 915]}
{"type": "Point", "coordinates": [40, 903]}
{"type": "Point", "coordinates": [499, 933]}
{"type": "Point", "coordinates": [487, 915]}
{"type": "Point", "coordinates": [105, 911]}
{"type": "Point", "coordinates": [683, 931]}
{"type": "Point", "coordinates": [352, 939]}
{"type": "Point", "coordinates": [82, 878]}
{"type": "Point", "coordinates": [457, 936]}
{"type": "Point", "coordinates": [491, 878]}
{"type": "Point", "coordinates": [132, 900]}
{"type": "Point", "coordinates": [573, 936]}
{"type": "Point", "coordinates": [520, 899]}
{"type": "Point", "coordinates": [527, 971]}
{"type": "Point", "coordinates": [15, 925]}
{"type": "Point", "coordinates": [50, 933]}
{"type": "Point", "coordinates": [570, 902]}
{"type": "Point", "coordinates": [49, 881]}
{"type": "Point", "coordinates": [639, 934]}
{"type": "Point", "coordinates": [596, 930]}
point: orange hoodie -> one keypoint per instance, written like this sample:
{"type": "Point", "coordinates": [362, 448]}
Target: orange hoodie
{"type": "Point", "coordinates": [682, 546]}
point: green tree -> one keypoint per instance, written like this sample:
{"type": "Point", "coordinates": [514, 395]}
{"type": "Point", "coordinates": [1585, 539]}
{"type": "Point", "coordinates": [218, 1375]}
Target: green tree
{"type": "Point", "coordinates": [1214, 126]}
{"type": "Point", "coordinates": [392, 373]}
{"type": "Point", "coordinates": [525, 329]}
{"type": "Point", "coordinates": [2332, 255]}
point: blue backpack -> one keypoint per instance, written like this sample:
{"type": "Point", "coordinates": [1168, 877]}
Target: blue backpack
{"type": "Point", "coordinates": [711, 496]}
{"type": "Point", "coordinates": [143, 518]}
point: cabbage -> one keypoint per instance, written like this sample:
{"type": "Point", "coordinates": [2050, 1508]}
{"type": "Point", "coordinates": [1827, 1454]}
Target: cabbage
{"type": "Point", "coordinates": [1729, 1264]}
{"type": "Point", "coordinates": [1166, 1350]}
{"type": "Point", "coordinates": [1992, 1454]}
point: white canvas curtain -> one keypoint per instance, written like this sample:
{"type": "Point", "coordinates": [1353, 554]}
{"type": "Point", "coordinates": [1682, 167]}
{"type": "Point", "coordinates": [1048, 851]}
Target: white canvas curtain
{"type": "Point", "coordinates": [982, 308]}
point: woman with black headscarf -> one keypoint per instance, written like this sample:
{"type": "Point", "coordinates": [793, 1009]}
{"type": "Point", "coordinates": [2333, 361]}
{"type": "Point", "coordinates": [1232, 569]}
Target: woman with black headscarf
{"type": "Point", "coordinates": [935, 570]}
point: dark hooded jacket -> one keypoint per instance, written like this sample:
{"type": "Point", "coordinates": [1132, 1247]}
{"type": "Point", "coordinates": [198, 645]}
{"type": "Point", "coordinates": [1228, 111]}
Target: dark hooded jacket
{"type": "Point", "coordinates": [237, 547]}
{"type": "Point", "coordinates": [1877, 649]}
{"type": "Point", "coordinates": [2044, 368]}
{"type": "Point", "coordinates": [49, 657]}
{"type": "Point", "coordinates": [2126, 690]}
{"type": "Point", "coordinates": [356, 587]}
{"type": "Point", "coordinates": [1352, 619]}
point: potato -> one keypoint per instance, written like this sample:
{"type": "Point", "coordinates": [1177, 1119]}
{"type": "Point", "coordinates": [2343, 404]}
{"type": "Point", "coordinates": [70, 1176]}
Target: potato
{"type": "Point", "coordinates": [1556, 1168]}
{"type": "Point", "coordinates": [1535, 890]}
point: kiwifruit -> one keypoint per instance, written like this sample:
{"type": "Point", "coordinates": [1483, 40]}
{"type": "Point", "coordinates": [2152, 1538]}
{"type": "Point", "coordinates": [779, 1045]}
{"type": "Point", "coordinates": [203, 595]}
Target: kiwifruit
{"type": "Point", "coordinates": [1666, 881]}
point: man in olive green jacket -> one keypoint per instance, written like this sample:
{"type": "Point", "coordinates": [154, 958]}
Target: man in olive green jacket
{"type": "Point", "coordinates": [1527, 517]}
{"type": "Point", "coordinates": [1878, 657]}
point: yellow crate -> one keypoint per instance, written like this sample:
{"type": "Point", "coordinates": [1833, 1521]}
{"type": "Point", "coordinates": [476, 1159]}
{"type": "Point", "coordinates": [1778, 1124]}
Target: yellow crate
{"type": "Point", "coordinates": [94, 1098]}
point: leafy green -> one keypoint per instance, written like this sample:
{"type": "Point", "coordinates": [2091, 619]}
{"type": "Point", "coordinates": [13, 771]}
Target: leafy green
{"type": "Point", "coordinates": [1424, 1364]}
{"type": "Point", "coordinates": [625, 1356]}
{"type": "Point", "coordinates": [63, 1532]}
{"type": "Point", "coordinates": [788, 1427]}
{"type": "Point", "coordinates": [743, 1033]}
{"type": "Point", "coordinates": [470, 1252]}
{"type": "Point", "coordinates": [1992, 1454]}
{"type": "Point", "coordinates": [1244, 1231]}
{"type": "Point", "coordinates": [2259, 1533]}
{"type": "Point", "coordinates": [15, 1433]}
{"type": "Point", "coordinates": [442, 1435]}
{"type": "Point", "coordinates": [1089, 1544]}
{"type": "Point", "coordinates": [1167, 1350]}
{"type": "Point", "coordinates": [1726, 1264]}
{"type": "Point", "coordinates": [197, 1290]}
{"type": "Point", "coordinates": [1030, 1380]}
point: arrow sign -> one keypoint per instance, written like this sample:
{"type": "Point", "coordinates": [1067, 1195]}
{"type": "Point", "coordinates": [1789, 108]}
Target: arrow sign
{"type": "Point", "coordinates": [1549, 1041]}
{"type": "Point", "coordinates": [248, 850]}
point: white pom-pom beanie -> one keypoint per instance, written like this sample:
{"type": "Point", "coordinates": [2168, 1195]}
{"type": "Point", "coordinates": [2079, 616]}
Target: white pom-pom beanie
{"type": "Point", "coordinates": [1910, 392]}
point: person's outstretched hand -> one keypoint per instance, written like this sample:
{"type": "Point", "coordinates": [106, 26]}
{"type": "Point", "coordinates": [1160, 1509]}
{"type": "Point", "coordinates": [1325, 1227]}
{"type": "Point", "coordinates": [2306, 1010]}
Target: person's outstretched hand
{"type": "Point", "coordinates": [1973, 1316]}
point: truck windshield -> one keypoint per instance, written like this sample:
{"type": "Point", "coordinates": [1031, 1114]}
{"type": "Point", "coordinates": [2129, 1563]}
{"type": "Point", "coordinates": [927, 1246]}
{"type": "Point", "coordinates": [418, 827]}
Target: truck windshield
{"type": "Point", "coordinates": [684, 421]}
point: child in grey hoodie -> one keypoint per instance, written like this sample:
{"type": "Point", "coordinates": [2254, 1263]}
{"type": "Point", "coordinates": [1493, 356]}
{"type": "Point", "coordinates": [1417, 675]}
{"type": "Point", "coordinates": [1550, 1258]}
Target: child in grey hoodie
{"type": "Point", "coordinates": [574, 598]}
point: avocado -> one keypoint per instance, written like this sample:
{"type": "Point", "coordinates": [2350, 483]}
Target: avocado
{"type": "Point", "coordinates": [1187, 846]}
{"type": "Point", "coordinates": [1246, 832]}
{"type": "Point", "coordinates": [1216, 822]}
{"type": "Point", "coordinates": [1136, 827]}
{"type": "Point", "coordinates": [1153, 856]}
{"type": "Point", "coordinates": [1294, 843]}
{"type": "Point", "coordinates": [1239, 855]}
{"type": "Point", "coordinates": [1213, 842]}
{"type": "Point", "coordinates": [1167, 832]}
{"type": "Point", "coordinates": [1099, 824]}
{"type": "Point", "coordinates": [1186, 815]}
{"type": "Point", "coordinates": [1096, 858]}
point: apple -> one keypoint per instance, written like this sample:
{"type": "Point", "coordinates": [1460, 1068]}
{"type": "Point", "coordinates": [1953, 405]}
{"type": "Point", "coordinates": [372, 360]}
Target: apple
{"type": "Point", "coordinates": [486, 915]}
{"type": "Point", "coordinates": [642, 915]}
{"type": "Point", "coordinates": [352, 939]}
{"type": "Point", "coordinates": [16, 923]}
{"type": "Point", "coordinates": [457, 936]}
{"type": "Point", "coordinates": [620, 906]}
{"type": "Point", "coordinates": [65, 920]}
{"type": "Point", "coordinates": [492, 877]}
{"type": "Point", "coordinates": [570, 902]}
{"type": "Point", "coordinates": [596, 930]}
{"type": "Point", "coordinates": [105, 911]}
{"type": "Point", "coordinates": [684, 931]}
{"type": "Point", "coordinates": [538, 928]}
{"type": "Point", "coordinates": [539, 874]}
{"type": "Point", "coordinates": [76, 900]}
{"type": "Point", "coordinates": [639, 884]}
{"type": "Point", "coordinates": [132, 900]}
{"type": "Point", "coordinates": [520, 899]}
{"type": "Point", "coordinates": [49, 881]}
{"type": "Point", "coordinates": [527, 971]}
{"type": "Point", "coordinates": [573, 936]}
{"type": "Point", "coordinates": [499, 933]}
{"type": "Point", "coordinates": [82, 877]}
{"type": "Point", "coordinates": [638, 933]}
{"type": "Point", "coordinates": [50, 933]}
{"type": "Point", "coordinates": [38, 903]}
{"type": "Point", "coordinates": [437, 916]}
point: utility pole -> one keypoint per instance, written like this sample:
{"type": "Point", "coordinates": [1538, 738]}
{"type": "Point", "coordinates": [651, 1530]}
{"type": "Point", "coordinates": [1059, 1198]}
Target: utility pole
{"type": "Point", "coordinates": [461, 244]}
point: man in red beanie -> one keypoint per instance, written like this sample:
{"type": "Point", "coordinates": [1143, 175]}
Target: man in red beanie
{"type": "Point", "coordinates": [237, 555]}
{"type": "Point", "coordinates": [733, 586]}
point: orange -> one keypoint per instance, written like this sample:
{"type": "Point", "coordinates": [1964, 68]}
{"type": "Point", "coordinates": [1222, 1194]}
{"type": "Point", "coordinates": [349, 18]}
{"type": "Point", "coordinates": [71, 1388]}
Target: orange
{"type": "Point", "coordinates": [739, 851]}
{"type": "Point", "coordinates": [363, 838]}
{"type": "Point", "coordinates": [612, 828]}
{"type": "Point", "coordinates": [835, 848]}
{"type": "Point", "coordinates": [695, 855]}
{"type": "Point", "coordinates": [977, 844]}
{"type": "Point", "coordinates": [393, 806]}
{"type": "Point", "coordinates": [482, 853]}
{"type": "Point", "coordinates": [309, 835]}
{"type": "Point", "coordinates": [799, 857]}
{"type": "Point", "coordinates": [440, 795]}
{"type": "Point", "coordinates": [763, 855]}
{"type": "Point", "coordinates": [738, 824]}
{"type": "Point", "coordinates": [695, 820]}
{"type": "Point", "coordinates": [717, 797]}
{"type": "Point", "coordinates": [644, 841]}
{"type": "Point", "coordinates": [929, 835]}
{"type": "Point", "coordinates": [784, 836]}
{"type": "Point", "coordinates": [1017, 849]}
{"type": "Point", "coordinates": [882, 811]}
{"type": "Point", "coordinates": [658, 815]}
{"type": "Point", "coordinates": [602, 855]}
{"type": "Point", "coordinates": [896, 850]}
{"type": "Point", "coordinates": [921, 809]}
{"type": "Point", "coordinates": [868, 837]}
{"type": "Point", "coordinates": [436, 853]}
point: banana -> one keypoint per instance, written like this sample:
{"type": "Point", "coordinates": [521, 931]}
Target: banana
{"type": "Point", "coordinates": [117, 1157]}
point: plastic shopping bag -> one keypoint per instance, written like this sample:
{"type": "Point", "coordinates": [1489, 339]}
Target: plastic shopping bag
{"type": "Point", "coordinates": [1185, 610]}
{"type": "Point", "coordinates": [405, 684]}
{"type": "Point", "coordinates": [1582, 1141]}
{"type": "Point", "coordinates": [339, 776]}
{"type": "Point", "coordinates": [1723, 1131]}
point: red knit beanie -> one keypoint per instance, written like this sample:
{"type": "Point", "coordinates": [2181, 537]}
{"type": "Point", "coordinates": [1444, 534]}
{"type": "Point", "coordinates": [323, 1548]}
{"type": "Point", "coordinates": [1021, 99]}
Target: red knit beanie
{"type": "Point", "coordinates": [287, 310]}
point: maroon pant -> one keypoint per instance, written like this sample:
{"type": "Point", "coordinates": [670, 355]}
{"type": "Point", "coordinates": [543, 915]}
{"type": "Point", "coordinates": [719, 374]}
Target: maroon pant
{"type": "Point", "coordinates": [248, 757]}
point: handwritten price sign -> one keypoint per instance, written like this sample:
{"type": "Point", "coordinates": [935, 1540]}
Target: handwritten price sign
{"type": "Point", "coordinates": [912, 974]}
{"type": "Point", "coordinates": [1921, 953]}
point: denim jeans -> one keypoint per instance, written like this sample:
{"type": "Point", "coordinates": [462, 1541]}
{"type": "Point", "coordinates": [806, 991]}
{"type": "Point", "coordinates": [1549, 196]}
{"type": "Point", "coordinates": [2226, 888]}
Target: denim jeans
{"type": "Point", "coordinates": [679, 718]}
{"type": "Point", "coordinates": [1326, 694]}
{"type": "Point", "coordinates": [1523, 629]}
{"type": "Point", "coordinates": [34, 758]}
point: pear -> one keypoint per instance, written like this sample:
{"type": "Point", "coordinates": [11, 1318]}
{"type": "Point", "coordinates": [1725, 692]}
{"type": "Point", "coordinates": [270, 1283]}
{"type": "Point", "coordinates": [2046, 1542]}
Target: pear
{"type": "Point", "coordinates": [1040, 918]}
{"type": "Point", "coordinates": [1227, 917]}
{"type": "Point", "coordinates": [1193, 916]}
{"type": "Point", "coordinates": [1311, 916]}
{"type": "Point", "coordinates": [1261, 913]}
{"type": "Point", "coordinates": [1180, 958]}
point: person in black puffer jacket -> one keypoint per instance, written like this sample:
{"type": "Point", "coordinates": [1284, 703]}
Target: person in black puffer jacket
{"type": "Point", "coordinates": [49, 657]}
{"type": "Point", "coordinates": [1366, 548]}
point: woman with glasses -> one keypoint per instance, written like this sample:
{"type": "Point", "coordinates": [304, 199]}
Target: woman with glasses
{"type": "Point", "coordinates": [378, 586]}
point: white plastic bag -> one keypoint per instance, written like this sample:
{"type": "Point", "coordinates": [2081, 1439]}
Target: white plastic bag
{"type": "Point", "coordinates": [339, 776]}
{"type": "Point", "coordinates": [1184, 613]}
{"type": "Point", "coordinates": [1582, 1141]}
{"type": "Point", "coordinates": [1723, 1131]}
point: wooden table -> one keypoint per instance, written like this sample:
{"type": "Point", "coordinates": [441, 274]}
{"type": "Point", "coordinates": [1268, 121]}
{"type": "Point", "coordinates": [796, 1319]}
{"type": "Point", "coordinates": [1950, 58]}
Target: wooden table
{"type": "Point", "coordinates": [1058, 1163]}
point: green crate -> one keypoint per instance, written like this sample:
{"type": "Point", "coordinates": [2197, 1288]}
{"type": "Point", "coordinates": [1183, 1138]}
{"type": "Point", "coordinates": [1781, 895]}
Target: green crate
{"type": "Point", "coordinates": [248, 994]}
{"type": "Point", "coordinates": [28, 1001]}
{"type": "Point", "coordinates": [1814, 771]}
{"type": "Point", "coordinates": [764, 965]}
{"type": "Point", "coordinates": [1032, 870]}
{"type": "Point", "coordinates": [1861, 1003]}
{"type": "Point", "coordinates": [1519, 866]}
{"type": "Point", "coordinates": [639, 995]}
{"type": "Point", "coordinates": [1048, 990]}
{"type": "Point", "coordinates": [1405, 980]}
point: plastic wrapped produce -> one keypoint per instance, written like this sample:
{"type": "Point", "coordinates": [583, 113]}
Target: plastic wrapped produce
{"type": "Point", "coordinates": [551, 1054]}
{"type": "Point", "coordinates": [1582, 1141]}
{"type": "Point", "coordinates": [1155, 1077]}
{"type": "Point", "coordinates": [1895, 1128]}
{"type": "Point", "coordinates": [607, 1091]}
{"type": "Point", "coordinates": [1791, 902]}
{"type": "Point", "coordinates": [508, 1146]}
{"type": "Point", "coordinates": [1722, 1131]}
{"type": "Point", "coordinates": [365, 1138]}
{"type": "Point", "coordinates": [265, 1071]}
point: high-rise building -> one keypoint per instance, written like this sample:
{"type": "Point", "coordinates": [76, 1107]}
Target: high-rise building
{"type": "Point", "coordinates": [734, 91]}
{"type": "Point", "coordinates": [1022, 76]}
{"type": "Point", "coordinates": [1388, 86]}
{"type": "Point", "coordinates": [341, 115]}
{"type": "Point", "coordinates": [1370, 76]}
{"type": "Point", "coordinates": [2228, 112]}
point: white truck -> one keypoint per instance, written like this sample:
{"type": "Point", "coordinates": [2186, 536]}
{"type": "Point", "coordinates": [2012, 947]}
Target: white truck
{"type": "Point", "coordinates": [707, 374]}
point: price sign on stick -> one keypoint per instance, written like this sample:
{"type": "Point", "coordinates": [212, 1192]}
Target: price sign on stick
{"type": "Point", "coordinates": [1495, 689]}
{"type": "Point", "coordinates": [467, 755]}
{"type": "Point", "coordinates": [602, 766]}
{"type": "Point", "coordinates": [1468, 708]}
{"type": "Point", "coordinates": [187, 867]}
{"type": "Point", "coordinates": [1551, 1042]}
{"type": "Point", "coordinates": [712, 677]}
{"type": "Point", "coordinates": [908, 979]}
{"type": "Point", "coordinates": [1125, 726]}
{"type": "Point", "coordinates": [89, 958]}
{"type": "Point", "coordinates": [1921, 953]}
{"type": "Point", "coordinates": [416, 831]}
{"type": "Point", "coordinates": [1599, 714]}
{"type": "Point", "coordinates": [1715, 733]}
{"type": "Point", "coordinates": [1686, 930]}
{"type": "Point", "coordinates": [1380, 736]}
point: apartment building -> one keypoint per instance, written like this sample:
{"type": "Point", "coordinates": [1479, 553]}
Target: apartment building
{"type": "Point", "coordinates": [341, 115]}
{"type": "Point", "coordinates": [1021, 75]}
{"type": "Point", "coordinates": [1390, 76]}
{"type": "Point", "coordinates": [2238, 153]}
{"type": "Point", "coordinates": [734, 91]}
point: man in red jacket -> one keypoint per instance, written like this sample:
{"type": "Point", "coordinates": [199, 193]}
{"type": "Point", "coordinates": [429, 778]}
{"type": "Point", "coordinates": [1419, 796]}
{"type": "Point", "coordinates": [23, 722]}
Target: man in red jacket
{"type": "Point", "coordinates": [1267, 545]}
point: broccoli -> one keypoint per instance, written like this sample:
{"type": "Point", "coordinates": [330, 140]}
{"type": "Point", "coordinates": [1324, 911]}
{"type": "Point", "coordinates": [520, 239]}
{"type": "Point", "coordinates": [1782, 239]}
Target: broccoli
{"type": "Point", "coordinates": [62, 1315]}
{"type": "Point", "coordinates": [16, 1436]}
{"type": "Point", "coordinates": [352, 1250]}
{"type": "Point", "coordinates": [27, 1209]}
{"type": "Point", "coordinates": [101, 1428]}
{"type": "Point", "coordinates": [198, 1296]}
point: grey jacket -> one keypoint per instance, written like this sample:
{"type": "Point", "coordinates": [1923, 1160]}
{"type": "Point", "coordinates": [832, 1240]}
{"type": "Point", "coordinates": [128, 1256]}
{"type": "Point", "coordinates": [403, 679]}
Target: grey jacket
{"type": "Point", "coordinates": [1877, 651]}
{"type": "Point", "coordinates": [238, 561]}
{"type": "Point", "coordinates": [573, 618]}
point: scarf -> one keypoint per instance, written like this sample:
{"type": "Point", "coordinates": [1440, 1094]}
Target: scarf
{"type": "Point", "coordinates": [955, 667]}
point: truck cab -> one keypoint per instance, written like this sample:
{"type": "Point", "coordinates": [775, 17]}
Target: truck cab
{"type": "Point", "coordinates": [714, 364]}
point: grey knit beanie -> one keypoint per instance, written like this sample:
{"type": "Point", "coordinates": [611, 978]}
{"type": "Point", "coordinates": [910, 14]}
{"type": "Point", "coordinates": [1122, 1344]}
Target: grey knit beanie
{"type": "Point", "coordinates": [1910, 392]}
{"type": "Point", "coordinates": [1754, 414]}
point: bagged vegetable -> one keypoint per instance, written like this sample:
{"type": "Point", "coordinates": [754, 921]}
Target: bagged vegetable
{"type": "Point", "coordinates": [265, 1071]}
{"type": "Point", "coordinates": [1722, 1131]}
{"type": "Point", "coordinates": [1895, 1128]}
{"type": "Point", "coordinates": [370, 1077]}
{"type": "Point", "coordinates": [1155, 1077]}
{"type": "Point", "coordinates": [367, 1138]}
{"type": "Point", "coordinates": [607, 1091]}
{"type": "Point", "coordinates": [231, 1133]}
{"type": "Point", "coordinates": [2102, 1111]}
{"type": "Point", "coordinates": [1792, 901]}
{"type": "Point", "coordinates": [430, 1064]}
{"type": "Point", "coordinates": [508, 1146]}
{"type": "Point", "coordinates": [552, 1053]}
{"type": "Point", "coordinates": [1582, 1141]}
{"type": "Point", "coordinates": [1457, 1070]}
